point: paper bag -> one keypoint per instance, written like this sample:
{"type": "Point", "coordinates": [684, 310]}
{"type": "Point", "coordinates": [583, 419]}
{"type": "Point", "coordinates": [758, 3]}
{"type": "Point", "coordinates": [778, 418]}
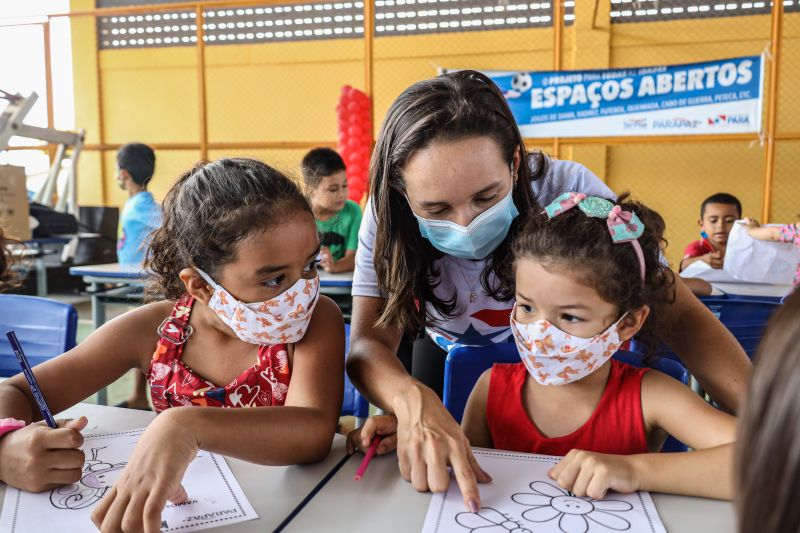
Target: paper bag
{"type": "Point", "coordinates": [14, 203]}
{"type": "Point", "coordinates": [755, 261]}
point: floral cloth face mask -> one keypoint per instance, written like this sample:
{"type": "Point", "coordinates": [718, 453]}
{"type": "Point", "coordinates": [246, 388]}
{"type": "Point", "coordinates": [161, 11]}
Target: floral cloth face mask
{"type": "Point", "coordinates": [554, 357]}
{"type": "Point", "coordinates": [279, 320]}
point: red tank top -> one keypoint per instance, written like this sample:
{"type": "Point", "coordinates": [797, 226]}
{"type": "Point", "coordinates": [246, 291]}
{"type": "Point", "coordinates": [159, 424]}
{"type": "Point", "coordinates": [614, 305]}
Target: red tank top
{"type": "Point", "coordinates": [173, 383]}
{"type": "Point", "coordinates": [616, 426]}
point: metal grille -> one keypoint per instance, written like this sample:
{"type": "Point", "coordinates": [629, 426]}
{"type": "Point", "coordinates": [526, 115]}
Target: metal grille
{"type": "Point", "coordinates": [319, 21]}
{"type": "Point", "coordinates": [623, 11]}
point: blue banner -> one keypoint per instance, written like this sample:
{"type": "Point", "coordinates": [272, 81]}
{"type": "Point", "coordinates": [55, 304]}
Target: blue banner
{"type": "Point", "coordinates": [700, 98]}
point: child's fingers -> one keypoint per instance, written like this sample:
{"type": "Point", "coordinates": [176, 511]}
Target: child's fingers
{"type": "Point", "coordinates": [78, 424]}
{"type": "Point", "coordinates": [132, 517]}
{"type": "Point", "coordinates": [65, 459]}
{"type": "Point", "coordinates": [102, 507]}
{"type": "Point", "coordinates": [598, 486]}
{"type": "Point", "coordinates": [581, 484]}
{"type": "Point", "coordinates": [64, 476]}
{"type": "Point", "coordinates": [62, 438]}
{"type": "Point", "coordinates": [152, 512]}
{"type": "Point", "coordinates": [113, 518]}
{"type": "Point", "coordinates": [179, 495]}
{"type": "Point", "coordinates": [387, 444]}
{"type": "Point", "coordinates": [567, 470]}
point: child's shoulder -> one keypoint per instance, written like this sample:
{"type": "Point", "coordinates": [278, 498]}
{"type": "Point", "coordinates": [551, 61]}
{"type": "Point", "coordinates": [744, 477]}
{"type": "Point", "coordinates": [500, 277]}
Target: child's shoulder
{"type": "Point", "coordinates": [351, 207]}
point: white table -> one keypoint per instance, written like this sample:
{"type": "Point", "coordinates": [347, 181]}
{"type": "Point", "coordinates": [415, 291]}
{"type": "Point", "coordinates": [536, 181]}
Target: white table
{"type": "Point", "coordinates": [383, 501]}
{"type": "Point", "coordinates": [753, 289]}
{"type": "Point", "coordinates": [274, 491]}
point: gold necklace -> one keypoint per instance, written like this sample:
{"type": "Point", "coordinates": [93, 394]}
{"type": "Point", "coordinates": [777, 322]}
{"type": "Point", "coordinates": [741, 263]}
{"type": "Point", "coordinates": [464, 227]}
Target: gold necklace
{"type": "Point", "coordinates": [473, 296]}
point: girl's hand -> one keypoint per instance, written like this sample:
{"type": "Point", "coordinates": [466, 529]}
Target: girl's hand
{"type": "Point", "coordinates": [152, 476]}
{"type": "Point", "coordinates": [593, 474]}
{"type": "Point", "coordinates": [37, 458]}
{"type": "Point", "coordinates": [381, 425]}
{"type": "Point", "coordinates": [428, 440]}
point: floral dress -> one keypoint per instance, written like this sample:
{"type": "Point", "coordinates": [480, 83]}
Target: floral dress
{"type": "Point", "coordinates": [173, 383]}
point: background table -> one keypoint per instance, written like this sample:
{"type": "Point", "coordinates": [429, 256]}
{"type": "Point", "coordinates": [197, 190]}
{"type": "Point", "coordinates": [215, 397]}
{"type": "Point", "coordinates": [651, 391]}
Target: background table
{"type": "Point", "coordinates": [383, 501]}
{"type": "Point", "coordinates": [274, 491]}
{"type": "Point", "coordinates": [754, 290]}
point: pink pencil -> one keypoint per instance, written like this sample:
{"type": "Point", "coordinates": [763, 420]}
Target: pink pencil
{"type": "Point", "coordinates": [367, 458]}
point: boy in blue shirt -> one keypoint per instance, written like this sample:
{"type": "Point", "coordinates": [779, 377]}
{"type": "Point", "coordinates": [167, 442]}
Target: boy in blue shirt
{"type": "Point", "coordinates": [141, 214]}
{"type": "Point", "coordinates": [139, 218]}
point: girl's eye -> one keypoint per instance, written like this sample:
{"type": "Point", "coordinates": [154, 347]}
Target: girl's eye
{"type": "Point", "coordinates": [333, 189]}
{"type": "Point", "coordinates": [275, 282]}
{"type": "Point", "coordinates": [312, 266]}
{"type": "Point", "coordinates": [571, 318]}
{"type": "Point", "coordinates": [526, 308]}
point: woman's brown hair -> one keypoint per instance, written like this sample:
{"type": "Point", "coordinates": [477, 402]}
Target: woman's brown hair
{"type": "Point", "coordinates": [768, 443]}
{"type": "Point", "coordinates": [583, 245]}
{"type": "Point", "coordinates": [455, 106]}
{"type": "Point", "coordinates": [208, 211]}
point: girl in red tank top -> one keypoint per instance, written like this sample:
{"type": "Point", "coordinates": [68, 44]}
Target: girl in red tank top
{"type": "Point", "coordinates": [242, 355]}
{"type": "Point", "coordinates": [587, 276]}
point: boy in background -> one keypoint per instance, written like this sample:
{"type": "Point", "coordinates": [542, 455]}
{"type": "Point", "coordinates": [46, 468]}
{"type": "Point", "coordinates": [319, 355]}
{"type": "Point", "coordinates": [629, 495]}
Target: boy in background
{"type": "Point", "coordinates": [141, 215]}
{"type": "Point", "coordinates": [717, 215]}
{"type": "Point", "coordinates": [338, 218]}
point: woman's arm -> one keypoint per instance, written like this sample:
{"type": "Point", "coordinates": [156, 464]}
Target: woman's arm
{"type": "Point", "coordinates": [474, 422]}
{"type": "Point", "coordinates": [708, 349]}
{"type": "Point", "coordinates": [428, 438]}
{"type": "Point", "coordinates": [667, 404]}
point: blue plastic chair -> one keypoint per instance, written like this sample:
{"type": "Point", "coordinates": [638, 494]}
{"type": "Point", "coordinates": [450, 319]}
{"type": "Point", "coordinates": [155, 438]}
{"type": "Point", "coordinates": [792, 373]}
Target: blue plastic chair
{"type": "Point", "coordinates": [465, 364]}
{"type": "Point", "coordinates": [746, 319]}
{"type": "Point", "coordinates": [45, 328]}
{"type": "Point", "coordinates": [353, 404]}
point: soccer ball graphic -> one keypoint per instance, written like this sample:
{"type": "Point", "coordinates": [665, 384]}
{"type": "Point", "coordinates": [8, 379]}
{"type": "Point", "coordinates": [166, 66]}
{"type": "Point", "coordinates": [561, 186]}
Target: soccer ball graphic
{"type": "Point", "coordinates": [521, 82]}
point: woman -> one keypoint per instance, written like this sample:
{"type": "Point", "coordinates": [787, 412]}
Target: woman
{"type": "Point", "coordinates": [449, 177]}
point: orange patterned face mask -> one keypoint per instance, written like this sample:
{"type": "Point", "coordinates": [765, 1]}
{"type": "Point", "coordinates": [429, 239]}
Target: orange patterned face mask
{"type": "Point", "coordinates": [554, 357]}
{"type": "Point", "coordinates": [282, 319]}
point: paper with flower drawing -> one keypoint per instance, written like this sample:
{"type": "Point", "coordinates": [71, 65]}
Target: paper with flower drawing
{"type": "Point", "coordinates": [215, 498]}
{"type": "Point", "coordinates": [523, 499]}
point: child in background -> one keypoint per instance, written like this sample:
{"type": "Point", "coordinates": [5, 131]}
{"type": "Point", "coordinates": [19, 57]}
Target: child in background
{"type": "Point", "coordinates": [717, 215]}
{"type": "Point", "coordinates": [141, 214]}
{"type": "Point", "coordinates": [767, 462]}
{"type": "Point", "coordinates": [338, 218]}
{"type": "Point", "coordinates": [789, 233]}
{"type": "Point", "coordinates": [235, 231]}
{"type": "Point", "coordinates": [588, 277]}
{"type": "Point", "coordinates": [138, 219]}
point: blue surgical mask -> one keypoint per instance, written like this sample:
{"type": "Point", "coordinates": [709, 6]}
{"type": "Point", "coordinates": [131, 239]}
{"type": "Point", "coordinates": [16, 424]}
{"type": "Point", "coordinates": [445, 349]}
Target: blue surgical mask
{"type": "Point", "coordinates": [477, 240]}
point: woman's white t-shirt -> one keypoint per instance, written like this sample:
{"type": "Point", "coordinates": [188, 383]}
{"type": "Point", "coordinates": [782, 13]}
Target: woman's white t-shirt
{"type": "Point", "coordinates": [484, 320]}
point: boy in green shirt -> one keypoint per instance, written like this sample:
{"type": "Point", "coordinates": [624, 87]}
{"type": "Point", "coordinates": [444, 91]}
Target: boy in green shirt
{"type": "Point", "coordinates": [338, 218]}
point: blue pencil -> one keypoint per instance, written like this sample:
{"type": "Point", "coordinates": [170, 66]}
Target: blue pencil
{"type": "Point", "coordinates": [34, 385]}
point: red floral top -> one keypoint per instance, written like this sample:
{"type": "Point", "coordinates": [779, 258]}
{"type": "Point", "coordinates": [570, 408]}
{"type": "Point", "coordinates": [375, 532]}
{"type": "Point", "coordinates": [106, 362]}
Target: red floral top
{"type": "Point", "coordinates": [173, 383]}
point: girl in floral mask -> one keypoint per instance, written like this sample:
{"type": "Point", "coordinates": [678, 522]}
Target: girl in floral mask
{"type": "Point", "coordinates": [588, 277]}
{"type": "Point", "coordinates": [242, 325]}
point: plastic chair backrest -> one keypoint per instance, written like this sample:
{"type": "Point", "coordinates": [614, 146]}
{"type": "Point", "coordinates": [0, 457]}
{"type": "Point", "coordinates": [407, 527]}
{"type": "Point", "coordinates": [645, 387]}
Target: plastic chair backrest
{"type": "Point", "coordinates": [45, 328]}
{"type": "Point", "coordinates": [465, 364]}
{"type": "Point", "coordinates": [353, 404]}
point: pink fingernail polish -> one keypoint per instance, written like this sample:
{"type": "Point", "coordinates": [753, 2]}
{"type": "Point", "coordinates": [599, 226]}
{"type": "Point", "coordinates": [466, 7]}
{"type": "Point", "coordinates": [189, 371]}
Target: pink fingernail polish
{"type": "Point", "coordinates": [473, 506]}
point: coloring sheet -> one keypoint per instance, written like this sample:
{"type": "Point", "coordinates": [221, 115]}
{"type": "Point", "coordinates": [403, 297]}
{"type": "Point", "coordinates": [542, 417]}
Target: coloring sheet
{"type": "Point", "coordinates": [215, 497]}
{"type": "Point", "coordinates": [523, 499]}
